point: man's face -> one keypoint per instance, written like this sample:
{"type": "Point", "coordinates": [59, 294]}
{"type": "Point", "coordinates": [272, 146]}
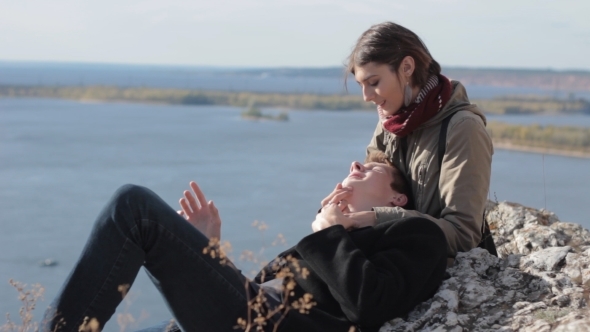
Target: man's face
{"type": "Point", "coordinates": [371, 181]}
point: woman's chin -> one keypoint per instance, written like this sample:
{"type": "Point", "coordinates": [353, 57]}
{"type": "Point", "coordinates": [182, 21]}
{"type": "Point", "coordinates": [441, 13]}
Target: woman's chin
{"type": "Point", "coordinates": [389, 112]}
{"type": "Point", "coordinates": [386, 112]}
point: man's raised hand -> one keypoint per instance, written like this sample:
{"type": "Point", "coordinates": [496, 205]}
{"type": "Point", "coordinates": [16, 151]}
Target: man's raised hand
{"type": "Point", "coordinates": [331, 215]}
{"type": "Point", "coordinates": [338, 196]}
{"type": "Point", "coordinates": [200, 213]}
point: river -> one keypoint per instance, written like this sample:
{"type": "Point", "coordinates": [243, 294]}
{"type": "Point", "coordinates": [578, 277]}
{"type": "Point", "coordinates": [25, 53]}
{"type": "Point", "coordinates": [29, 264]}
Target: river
{"type": "Point", "coordinates": [61, 160]}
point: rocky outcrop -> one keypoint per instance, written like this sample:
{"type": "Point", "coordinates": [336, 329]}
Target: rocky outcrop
{"type": "Point", "coordinates": [540, 282]}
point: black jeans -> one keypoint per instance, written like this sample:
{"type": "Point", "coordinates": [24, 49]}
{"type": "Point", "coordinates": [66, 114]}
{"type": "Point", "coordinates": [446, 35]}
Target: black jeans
{"type": "Point", "coordinates": [138, 228]}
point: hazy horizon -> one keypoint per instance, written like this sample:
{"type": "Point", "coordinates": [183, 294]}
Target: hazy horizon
{"type": "Point", "coordinates": [292, 33]}
{"type": "Point", "coordinates": [235, 67]}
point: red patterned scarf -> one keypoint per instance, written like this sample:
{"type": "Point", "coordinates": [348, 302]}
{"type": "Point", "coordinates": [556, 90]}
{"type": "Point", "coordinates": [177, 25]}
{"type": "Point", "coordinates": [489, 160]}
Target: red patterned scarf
{"type": "Point", "coordinates": [431, 99]}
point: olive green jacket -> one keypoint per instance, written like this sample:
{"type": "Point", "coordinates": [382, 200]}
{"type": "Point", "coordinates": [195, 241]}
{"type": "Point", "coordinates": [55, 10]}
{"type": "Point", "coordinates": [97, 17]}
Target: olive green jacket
{"type": "Point", "coordinates": [456, 202]}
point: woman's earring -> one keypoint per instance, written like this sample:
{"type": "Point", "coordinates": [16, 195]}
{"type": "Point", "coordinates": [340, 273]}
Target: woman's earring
{"type": "Point", "coordinates": [407, 94]}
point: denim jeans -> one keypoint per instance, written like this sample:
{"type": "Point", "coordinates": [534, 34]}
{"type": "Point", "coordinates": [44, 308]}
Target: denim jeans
{"type": "Point", "coordinates": [137, 228]}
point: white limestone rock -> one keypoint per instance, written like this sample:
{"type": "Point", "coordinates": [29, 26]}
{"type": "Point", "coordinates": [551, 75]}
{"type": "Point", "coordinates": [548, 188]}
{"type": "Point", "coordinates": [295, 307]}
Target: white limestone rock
{"type": "Point", "coordinates": [541, 282]}
{"type": "Point", "coordinates": [548, 259]}
{"type": "Point", "coordinates": [535, 237]}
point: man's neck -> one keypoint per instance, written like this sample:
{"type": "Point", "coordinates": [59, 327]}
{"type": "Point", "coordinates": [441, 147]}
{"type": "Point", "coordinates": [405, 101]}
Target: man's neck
{"type": "Point", "coordinates": [358, 205]}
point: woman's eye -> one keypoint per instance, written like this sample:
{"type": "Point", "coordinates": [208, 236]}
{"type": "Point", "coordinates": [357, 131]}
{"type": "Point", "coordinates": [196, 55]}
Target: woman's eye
{"type": "Point", "coordinates": [374, 83]}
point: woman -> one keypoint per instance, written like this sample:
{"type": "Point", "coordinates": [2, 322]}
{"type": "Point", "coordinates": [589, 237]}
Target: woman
{"type": "Point", "coordinates": [397, 74]}
{"type": "Point", "coordinates": [360, 277]}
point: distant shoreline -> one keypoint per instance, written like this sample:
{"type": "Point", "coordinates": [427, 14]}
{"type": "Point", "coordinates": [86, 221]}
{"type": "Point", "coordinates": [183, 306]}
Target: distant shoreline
{"type": "Point", "coordinates": [554, 140]}
{"type": "Point", "coordinates": [307, 101]}
{"type": "Point", "coordinates": [543, 78]}
{"type": "Point", "coordinates": [502, 145]}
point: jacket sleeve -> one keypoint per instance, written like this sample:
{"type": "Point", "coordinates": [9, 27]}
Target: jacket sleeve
{"type": "Point", "coordinates": [405, 268]}
{"type": "Point", "coordinates": [463, 186]}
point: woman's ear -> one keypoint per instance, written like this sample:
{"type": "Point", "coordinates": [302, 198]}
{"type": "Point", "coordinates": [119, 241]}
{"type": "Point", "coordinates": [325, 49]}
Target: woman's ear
{"type": "Point", "coordinates": [399, 200]}
{"type": "Point", "coordinates": [407, 67]}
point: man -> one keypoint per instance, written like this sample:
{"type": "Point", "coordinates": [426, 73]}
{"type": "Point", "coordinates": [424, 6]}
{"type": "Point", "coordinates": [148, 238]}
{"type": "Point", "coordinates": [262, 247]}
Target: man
{"type": "Point", "coordinates": [356, 277]}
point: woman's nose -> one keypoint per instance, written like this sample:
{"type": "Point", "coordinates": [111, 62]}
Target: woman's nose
{"type": "Point", "coordinates": [368, 94]}
{"type": "Point", "coordinates": [356, 166]}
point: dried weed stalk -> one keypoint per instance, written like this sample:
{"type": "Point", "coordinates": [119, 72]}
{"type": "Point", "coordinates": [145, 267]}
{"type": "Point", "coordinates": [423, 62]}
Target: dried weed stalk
{"type": "Point", "coordinates": [29, 298]}
{"type": "Point", "coordinates": [261, 313]}
{"type": "Point", "coordinates": [125, 320]}
{"type": "Point", "coordinates": [219, 250]}
{"type": "Point", "coordinates": [89, 325]}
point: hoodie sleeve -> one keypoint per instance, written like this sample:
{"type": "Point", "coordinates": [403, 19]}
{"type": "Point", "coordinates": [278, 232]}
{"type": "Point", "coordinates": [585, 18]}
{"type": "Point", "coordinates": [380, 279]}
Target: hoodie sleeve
{"type": "Point", "coordinates": [463, 185]}
{"type": "Point", "coordinates": [404, 268]}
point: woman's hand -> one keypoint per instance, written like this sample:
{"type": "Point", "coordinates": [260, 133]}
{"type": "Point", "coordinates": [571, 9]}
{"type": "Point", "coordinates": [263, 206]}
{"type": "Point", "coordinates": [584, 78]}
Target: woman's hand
{"type": "Point", "coordinates": [200, 213]}
{"type": "Point", "coordinates": [338, 196]}
{"type": "Point", "coordinates": [331, 215]}
{"type": "Point", "coordinates": [362, 218]}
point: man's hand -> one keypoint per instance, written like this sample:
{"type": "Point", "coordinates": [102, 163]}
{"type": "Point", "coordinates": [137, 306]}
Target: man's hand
{"type": "Point", "coordinates": [331, 215]}
{"type": "Point", "coordinates": [338, 196]}
{"type": "Point", "coordinates": [200, 213]}
{"type": "Point", "coordinates": [362, 218]}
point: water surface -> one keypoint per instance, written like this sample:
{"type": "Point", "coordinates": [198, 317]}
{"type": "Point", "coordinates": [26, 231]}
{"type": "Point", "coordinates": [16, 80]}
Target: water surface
{"type": "Point", "coordinates": [61, 160]}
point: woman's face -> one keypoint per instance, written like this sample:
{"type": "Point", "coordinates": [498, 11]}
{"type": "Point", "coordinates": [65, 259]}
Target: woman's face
{"type": "Point", "coordinates": [381, 86]}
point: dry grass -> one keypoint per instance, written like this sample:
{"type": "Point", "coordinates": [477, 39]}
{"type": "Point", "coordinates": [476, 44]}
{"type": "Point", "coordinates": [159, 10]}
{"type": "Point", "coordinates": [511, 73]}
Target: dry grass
{"type": "Point", "coordinates": [125, 320]}
{"type": "Point", "coordinates": [287, 269]}
{"type": "Point", "coordinates": [261, 313]}
{"type": "Point", "coordinates": [29, 296]}
{"type": "Point", "coordinates": [551, 315]}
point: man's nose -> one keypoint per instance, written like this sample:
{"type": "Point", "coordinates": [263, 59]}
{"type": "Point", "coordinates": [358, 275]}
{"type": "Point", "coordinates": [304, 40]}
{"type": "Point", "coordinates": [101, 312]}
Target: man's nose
{"type": "Point", "coordinates": [356, 166]}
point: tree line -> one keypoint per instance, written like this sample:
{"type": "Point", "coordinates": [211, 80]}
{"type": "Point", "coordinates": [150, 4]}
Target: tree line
{"type": "Point", "coordinates": [567, 138]}
{"type": "Point", "coordinates": [192, 97]}
{"type": "Point", "coordinates": [512, 105]}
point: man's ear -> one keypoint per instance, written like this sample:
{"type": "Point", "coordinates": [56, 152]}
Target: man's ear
{"type": "Point", "coordinates": [399, 200]}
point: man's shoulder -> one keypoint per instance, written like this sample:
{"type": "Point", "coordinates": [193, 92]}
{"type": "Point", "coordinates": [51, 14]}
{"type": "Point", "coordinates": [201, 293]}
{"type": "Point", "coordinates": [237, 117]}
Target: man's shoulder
{"type": "Point", "coordinates": [409, 224]}
{"type": "Point", "coordinates": [411, 227]}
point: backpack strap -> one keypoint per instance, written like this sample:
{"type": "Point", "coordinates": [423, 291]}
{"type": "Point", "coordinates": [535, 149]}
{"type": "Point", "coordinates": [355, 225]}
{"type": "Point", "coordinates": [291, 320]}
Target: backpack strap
{"type": "Point", "coordinates": [442, 143]}
{"type": "Point", "coordinates": [403, 146]}
{"type": "Point", "coordinates": [487, 241]}
{"type": "Point", "coordinates": [442, 139]}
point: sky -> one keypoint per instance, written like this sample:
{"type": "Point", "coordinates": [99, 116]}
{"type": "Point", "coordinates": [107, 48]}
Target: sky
{"type": "Point", "coordinates": [538, 34]}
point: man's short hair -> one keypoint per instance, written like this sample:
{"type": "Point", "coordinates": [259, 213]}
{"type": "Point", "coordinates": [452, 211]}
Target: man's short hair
{"type": "Point", "coordinates": [399, 183]}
